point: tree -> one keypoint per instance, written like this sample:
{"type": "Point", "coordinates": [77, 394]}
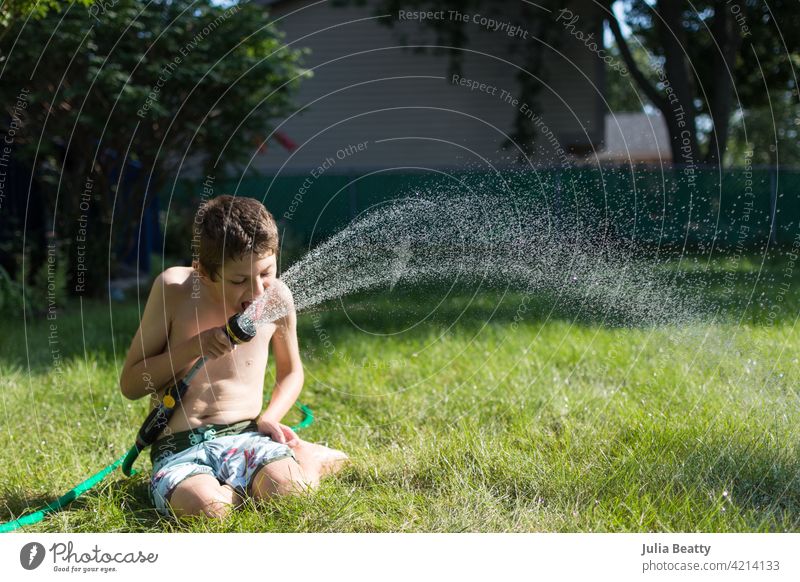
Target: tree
{"type": "Point", "coordinates": [35, 9]}
{"type": "Point", "coordinates": [710, 57]}
{"type": "Point", "coordinates": [621, 92]}
{"type": "Point", "coordinates": [94, 92]}
{"type": "Point", "coordinates": [769, 134]}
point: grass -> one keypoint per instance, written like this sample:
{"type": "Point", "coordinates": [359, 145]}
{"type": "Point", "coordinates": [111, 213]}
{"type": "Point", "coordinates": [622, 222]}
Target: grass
{"type": "Point", "coordinates": [458, 417]}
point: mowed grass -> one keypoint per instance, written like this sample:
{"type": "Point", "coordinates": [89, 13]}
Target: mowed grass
{"type": "Point", "coordinates": [461, 411]}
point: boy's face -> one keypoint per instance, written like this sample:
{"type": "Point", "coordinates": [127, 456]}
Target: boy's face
{"type": "Point", "coordinates": [242, 281]}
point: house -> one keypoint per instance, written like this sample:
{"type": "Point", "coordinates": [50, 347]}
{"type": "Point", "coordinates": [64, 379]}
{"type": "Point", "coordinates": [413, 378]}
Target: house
{"type": "Point", "coordinates": [375, 101]}
{"type": "Point", "coordinates": [632, 138]}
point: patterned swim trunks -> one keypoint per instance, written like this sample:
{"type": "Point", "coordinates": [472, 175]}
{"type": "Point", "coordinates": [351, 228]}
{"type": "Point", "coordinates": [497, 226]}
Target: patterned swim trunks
{"type": "Point", "coordinates": [233, 459]}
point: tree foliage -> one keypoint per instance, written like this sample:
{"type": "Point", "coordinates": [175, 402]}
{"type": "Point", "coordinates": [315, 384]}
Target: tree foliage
{"type": "Point", "coordinates": [94, 91]}
{"type": "Point", "coordinates": [715, 57]}
{"type": "Point", "coordinates": [11, 10]}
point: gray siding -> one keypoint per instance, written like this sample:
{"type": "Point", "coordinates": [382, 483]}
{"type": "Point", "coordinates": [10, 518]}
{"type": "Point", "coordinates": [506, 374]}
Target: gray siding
{"type": "Point", "coordinates": [368, 87]}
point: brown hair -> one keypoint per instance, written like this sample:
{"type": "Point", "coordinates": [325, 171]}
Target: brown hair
{"type": "Point", "coordinates": [230, 227]}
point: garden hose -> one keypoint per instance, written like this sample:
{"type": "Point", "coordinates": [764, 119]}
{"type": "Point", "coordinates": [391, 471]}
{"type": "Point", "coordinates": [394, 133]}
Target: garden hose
{"type": "Point", "coordinates": [78, 490]}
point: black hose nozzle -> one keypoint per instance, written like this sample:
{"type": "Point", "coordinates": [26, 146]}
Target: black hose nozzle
{"type": "Point", "coordinates": [240, 328]}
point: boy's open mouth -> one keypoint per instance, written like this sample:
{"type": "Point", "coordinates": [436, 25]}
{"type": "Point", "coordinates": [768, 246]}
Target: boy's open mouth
{"type": "Point", "coordinates": [245, 305]}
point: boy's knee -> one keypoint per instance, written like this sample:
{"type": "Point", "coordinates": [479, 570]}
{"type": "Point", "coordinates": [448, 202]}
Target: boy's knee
{"type": "Point", "coordinates": [282, 477]}
{"type": "Point", "coordinates": [201, 495]}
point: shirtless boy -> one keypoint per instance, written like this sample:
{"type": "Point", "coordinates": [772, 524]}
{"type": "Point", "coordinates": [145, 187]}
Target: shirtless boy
{"type": "Point", "coordinates": [219, 446]}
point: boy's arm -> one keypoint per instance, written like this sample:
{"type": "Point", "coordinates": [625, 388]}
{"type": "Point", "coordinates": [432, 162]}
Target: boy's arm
{"type": "Point", "coordinates": [288, 367]}
{"type": "Point", "coordinates": [152, 361]}
{"type": "Point", "coordinates": [149, 365]}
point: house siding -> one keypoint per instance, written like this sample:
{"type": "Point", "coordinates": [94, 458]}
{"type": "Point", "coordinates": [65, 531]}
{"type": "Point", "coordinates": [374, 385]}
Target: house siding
{"type": "Point", "coordinates": [369, 88]}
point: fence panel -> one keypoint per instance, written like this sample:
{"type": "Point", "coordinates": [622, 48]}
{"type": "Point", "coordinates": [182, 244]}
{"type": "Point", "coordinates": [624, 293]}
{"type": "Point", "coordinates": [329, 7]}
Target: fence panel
{"type": "Point", "coordinates": [665, 207]}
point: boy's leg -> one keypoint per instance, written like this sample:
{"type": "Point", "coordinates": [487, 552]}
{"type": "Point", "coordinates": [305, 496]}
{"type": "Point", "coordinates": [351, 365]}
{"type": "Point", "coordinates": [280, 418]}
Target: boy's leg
{"type": "Point", "coordinates": [202, 494]}
{"type": "Point", "coordinates": [288, 476]}
{"type": "Point", "coordinates": [282, 477]}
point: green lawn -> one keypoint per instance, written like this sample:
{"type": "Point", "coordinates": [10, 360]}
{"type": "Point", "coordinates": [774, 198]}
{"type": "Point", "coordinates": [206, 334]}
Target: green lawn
{"type": "Point", "coordinates": [457, 416]}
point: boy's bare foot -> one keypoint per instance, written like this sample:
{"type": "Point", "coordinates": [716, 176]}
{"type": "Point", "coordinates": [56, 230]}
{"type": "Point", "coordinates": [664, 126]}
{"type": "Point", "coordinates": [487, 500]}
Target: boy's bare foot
{"type": "Point", "coordinates": [333, 460]}
{"type": "Point", "coordinates": [329, 460]}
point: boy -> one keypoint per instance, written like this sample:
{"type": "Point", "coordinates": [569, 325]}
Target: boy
{"type": "Point", "coordinates": [217, 447]}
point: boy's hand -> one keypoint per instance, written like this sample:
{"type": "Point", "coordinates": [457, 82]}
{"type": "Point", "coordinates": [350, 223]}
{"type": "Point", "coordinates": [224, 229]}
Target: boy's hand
{"type": "Point", "coordinates": [278, 432]}
{"type": "Point", "coordinates": [214, 343]}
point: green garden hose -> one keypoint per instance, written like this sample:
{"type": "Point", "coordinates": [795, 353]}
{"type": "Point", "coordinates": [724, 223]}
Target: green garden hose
{"type": "Point", "coordinates": [80, 489]}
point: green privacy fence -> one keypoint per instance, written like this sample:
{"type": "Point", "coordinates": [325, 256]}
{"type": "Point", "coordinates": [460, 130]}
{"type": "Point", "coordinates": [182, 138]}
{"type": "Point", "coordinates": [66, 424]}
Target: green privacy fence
{"type": "Point", "coordinates": [695, 207]}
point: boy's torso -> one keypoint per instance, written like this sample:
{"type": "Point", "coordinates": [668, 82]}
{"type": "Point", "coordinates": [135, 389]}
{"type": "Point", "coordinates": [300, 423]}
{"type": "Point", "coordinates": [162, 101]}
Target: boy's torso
{"type": "Point", "coordinates": [227, 389]}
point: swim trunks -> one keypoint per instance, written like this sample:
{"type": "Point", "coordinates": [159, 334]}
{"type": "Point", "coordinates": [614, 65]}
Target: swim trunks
{"type": "Point", "coordinates": [231, 453]}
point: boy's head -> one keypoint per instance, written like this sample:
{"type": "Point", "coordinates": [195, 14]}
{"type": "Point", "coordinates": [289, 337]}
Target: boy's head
{"type": "Point", "coordinates": [238, 244]}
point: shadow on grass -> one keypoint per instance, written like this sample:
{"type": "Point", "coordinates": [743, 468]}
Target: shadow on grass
{"type": "Point", "coordinates": [88, 332]}
{"type": "Point", "coordinates": [140, 513]}
{"type": "Point", "coordinates": [413, 311]}
{"type": "Point", "coordinates": [15, 506]}
{"type": "Point", "coordinates": [94, 332]}
{"type": "Point", "coordinates": [103, 337]}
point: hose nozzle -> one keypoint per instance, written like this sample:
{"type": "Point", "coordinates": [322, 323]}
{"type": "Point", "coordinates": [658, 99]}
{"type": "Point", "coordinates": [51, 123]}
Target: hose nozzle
{"type": "Point", "coordinates": [240, 328]}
